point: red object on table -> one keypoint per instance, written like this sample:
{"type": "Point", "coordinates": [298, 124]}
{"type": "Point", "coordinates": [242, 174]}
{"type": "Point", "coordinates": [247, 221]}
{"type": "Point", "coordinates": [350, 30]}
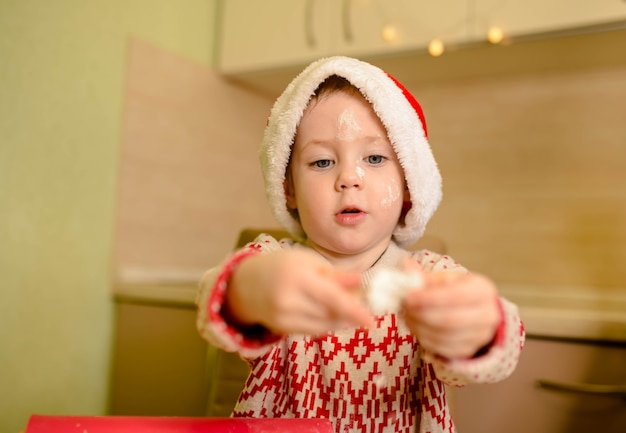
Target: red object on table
{"type": "Point", "coordinates": [144, 424]}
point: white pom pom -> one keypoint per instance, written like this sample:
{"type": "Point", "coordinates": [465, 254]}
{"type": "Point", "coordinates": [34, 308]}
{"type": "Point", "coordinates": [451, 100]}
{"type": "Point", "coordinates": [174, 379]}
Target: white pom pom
{"type": "Point", "coordinates": [389, 286]}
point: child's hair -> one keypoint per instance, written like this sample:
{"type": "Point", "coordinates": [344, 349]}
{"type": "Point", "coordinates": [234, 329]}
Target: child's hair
{"type": "Point", "coordinates": [334, 84]}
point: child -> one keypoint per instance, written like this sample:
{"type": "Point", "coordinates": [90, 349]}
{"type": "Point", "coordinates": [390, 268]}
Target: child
{"type": "Point", "coordinates": [349, 173]}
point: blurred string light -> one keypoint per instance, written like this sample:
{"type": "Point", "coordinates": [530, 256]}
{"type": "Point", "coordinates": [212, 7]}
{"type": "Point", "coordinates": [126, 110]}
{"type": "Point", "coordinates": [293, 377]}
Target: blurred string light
{"type": "Point", "coordinates": [436, 47]}
{"type": "Point", "coordinates": [390, 33]}
{"type": "Point", "coordinates": [495, 35]}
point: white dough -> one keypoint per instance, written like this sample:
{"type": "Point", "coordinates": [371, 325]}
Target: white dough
{"type": "Point", "coordinates": [389, 286]}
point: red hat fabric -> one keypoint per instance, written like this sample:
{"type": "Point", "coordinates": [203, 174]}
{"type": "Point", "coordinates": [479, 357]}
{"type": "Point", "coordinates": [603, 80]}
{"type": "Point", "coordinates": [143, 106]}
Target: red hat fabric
{"type": "Point", "coordinates": [416, 105]}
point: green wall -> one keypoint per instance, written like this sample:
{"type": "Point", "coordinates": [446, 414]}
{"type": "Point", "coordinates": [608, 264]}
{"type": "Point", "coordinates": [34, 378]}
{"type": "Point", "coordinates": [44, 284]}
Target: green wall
{"type": "Point", "coordinates": [62, 66]}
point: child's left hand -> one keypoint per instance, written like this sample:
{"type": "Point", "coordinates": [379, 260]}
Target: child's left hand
{"type": "Point", "coordinates": [454, 315]}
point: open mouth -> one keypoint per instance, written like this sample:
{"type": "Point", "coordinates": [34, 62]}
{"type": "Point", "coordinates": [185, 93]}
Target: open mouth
{"type": "Point", "coordinates": [350, 215]}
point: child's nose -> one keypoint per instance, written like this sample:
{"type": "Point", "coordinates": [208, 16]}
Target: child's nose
{"type": "Point", "coordinates": [350, 176]}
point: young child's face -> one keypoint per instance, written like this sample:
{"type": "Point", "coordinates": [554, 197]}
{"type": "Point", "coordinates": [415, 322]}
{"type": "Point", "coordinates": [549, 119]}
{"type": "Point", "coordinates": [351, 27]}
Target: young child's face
{"type": "Point", "coordinates": [345, 180]}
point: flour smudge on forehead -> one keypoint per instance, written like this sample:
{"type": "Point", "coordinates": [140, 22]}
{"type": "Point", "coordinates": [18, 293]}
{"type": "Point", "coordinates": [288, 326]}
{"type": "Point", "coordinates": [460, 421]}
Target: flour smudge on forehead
{"type": "Point", "coordinates": [348, 126]}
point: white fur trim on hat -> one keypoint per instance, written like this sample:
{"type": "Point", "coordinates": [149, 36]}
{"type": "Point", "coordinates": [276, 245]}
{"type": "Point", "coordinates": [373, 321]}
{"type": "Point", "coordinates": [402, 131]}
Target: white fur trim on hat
{"type": "Point", "coordinates": [404, 128]}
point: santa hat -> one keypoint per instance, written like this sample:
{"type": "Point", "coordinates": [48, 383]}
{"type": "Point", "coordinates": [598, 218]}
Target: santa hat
{"type": "Point", "coordinates": [399, 112]}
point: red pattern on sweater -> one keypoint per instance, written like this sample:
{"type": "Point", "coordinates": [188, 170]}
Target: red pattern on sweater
{"type": "Point", "coordinates": [326, 386]}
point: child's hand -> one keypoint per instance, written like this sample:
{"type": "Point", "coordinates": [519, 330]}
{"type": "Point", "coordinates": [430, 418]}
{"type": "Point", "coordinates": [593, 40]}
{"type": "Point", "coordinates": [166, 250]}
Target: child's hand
{"type": "Point", "coordinates": [454, 315]}
{"type": "Point", "coordinates": [295, 292]}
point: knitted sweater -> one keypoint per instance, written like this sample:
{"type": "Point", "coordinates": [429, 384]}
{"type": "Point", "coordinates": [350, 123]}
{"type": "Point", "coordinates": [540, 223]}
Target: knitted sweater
{"type": "Point", "coordinates": [364, 380]}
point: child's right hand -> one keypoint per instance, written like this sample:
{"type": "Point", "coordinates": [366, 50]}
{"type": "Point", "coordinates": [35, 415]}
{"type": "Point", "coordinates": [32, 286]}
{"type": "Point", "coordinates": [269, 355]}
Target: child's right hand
{"type": "Point", "coordinates": [295, 291]}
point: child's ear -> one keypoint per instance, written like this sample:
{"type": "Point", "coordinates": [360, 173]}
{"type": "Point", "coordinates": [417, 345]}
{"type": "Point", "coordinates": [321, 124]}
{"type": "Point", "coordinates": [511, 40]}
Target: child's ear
{"type": "Point", "coordinates": [290, 194]}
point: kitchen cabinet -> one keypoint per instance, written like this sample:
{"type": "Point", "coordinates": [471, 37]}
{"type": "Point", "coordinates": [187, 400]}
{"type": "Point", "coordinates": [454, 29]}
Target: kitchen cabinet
{"type": "Point", "coordinates": [370, 28]}
{"type": "Point", "coordinates": [538, 398]}
{"type": "Point", "coordinates": [257, 36]}
{"type": "Point", "coordinates": [160, 362]}
{"type": "Point", "coordinates": [518, 18]}
{"type": "Point", "coordinates": [261, 35]}
{"type": "Point", "coordinates": [275, 33]}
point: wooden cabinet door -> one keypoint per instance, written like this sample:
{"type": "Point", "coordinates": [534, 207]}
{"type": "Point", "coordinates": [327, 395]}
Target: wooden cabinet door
{"type": "Point", "coordinates": [159, 364]}
{"type": "Point", "coordinates": [538, 16]}
{"type": "Point", "coordinates": [384, 27]}
{"type": "Point", "coordinates": [520, 405]}
{"type": "Point", "coordinates": [258, 35]}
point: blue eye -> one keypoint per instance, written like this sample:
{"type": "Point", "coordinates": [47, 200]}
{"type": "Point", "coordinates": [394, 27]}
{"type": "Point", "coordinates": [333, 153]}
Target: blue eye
{"type": "Point", "coordinates": [322, 163]}
{"type": "Point", "coordinates": [375, 159]}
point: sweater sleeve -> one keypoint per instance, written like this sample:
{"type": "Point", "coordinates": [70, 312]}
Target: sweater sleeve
{"type": "Point", "coordinates": [499, 359]}
{"type": "Point", "coordinates": [212, 324]}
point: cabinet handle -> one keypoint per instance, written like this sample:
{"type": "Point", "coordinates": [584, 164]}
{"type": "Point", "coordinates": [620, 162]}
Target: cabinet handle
{"type": "Point", "coordinates": [347, 22]}
{"type": "Point", "coordinates": [605, 390]}
{"type": "Point", "coordinates": [308, 24]}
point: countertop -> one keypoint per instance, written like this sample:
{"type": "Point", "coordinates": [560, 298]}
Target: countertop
{"type": "Point", "coordinates": [570, 312]}
{"type": "Point", "coordinates": [579, 313]}
{"type": "Point", "coordinates": [173, 288]}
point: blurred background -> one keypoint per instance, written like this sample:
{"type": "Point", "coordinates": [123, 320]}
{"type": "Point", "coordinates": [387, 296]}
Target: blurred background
{"type": "Point", "coordinates": [128, 165]}
{"type": "Point", "coordinates": [63, 72]}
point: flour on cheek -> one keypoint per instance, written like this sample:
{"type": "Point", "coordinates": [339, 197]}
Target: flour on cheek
{"type": "Point", "coordinates": [360, 172]}
{"type": "Point", "coordinates": [394, 193]}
